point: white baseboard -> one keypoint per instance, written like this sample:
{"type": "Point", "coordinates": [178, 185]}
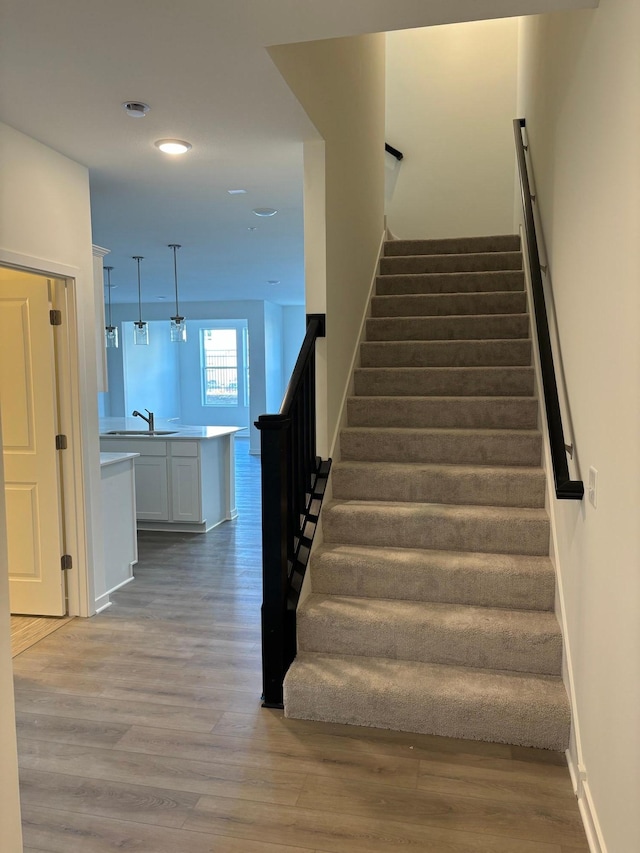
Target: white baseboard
{"type": "Point", "coordinates": [586, 805]}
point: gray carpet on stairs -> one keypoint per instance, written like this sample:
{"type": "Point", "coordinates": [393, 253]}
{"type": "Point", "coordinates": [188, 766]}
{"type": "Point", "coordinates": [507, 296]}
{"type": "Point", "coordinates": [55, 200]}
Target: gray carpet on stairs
{"type": "Point", "coordinates": [433, 593]}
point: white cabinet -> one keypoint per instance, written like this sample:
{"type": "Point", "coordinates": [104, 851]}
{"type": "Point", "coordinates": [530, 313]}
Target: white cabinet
{"type": "Point", "coordinates": [152, 488]}
{"type": "Point", "coordinates": [181, 485]}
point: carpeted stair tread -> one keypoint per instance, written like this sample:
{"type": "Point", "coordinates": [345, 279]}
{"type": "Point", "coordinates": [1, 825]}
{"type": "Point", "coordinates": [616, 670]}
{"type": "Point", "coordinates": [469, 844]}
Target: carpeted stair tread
{"type": "Point", "coordinates": [459, 327]}
{"type": "Point", "coordinates": [454, 446]}
{"type": "Point", "coordinates": [470, 262]}
{"type": "Point", "coordinates": [482, 353]}
{"type": "Point", "coordinates": [476, 485]}
{"type": "Point", "coordinates": [444, 381]}
{"type": "Point", "coordinates": [453, 245]}
{"type": "Point", "coordinates": [453, 634]}
{"type": "Point", "coordinates": [448, 304]}
{"type": "Point", "coordinates": [450, 282]}
{"type": "Point", "coordinates": [491, 580]}
{"type": "Point", "coordinates": [461, 702]}
{"type": "Point", "coordinates": [503, 530]}
{"type": "Point", "coordinates": [434, 411]}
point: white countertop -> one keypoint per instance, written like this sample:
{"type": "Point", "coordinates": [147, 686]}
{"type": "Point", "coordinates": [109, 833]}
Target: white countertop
{"type": "Point", "coordinates": [112, 458]}
{"type": "Point", "coordinates": [178, 431]}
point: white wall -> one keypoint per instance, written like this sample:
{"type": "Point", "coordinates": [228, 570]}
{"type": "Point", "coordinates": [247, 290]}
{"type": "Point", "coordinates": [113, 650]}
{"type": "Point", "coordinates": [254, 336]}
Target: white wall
{"type": "Point", "coordinates": [152, 372]}
{"type": "Point", "coordinates": [273, 355]}
{"type": "Point", "coordinates": [294, 323]}
{"type": "Point", "coordinates": [340, 84]}
{"type": "Point", "coordinates": [580, 96]}
{"type": "Point", "coordinates": [45, 223]}
{"type": "Point", "coordinates": [451, 98]}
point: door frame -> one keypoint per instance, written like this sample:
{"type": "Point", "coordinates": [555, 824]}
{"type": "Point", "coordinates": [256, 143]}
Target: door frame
{"type": "Point", "coordinates": [80, 594]}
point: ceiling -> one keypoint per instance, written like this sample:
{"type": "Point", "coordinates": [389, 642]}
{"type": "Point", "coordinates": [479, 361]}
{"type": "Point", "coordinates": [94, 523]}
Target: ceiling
{"type": "Point", "coordinates": [66, 67]}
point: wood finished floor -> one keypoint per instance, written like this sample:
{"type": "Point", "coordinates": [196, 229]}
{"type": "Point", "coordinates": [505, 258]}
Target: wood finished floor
{"type": "Point", "coordinates": [141, 729]}
{"type": "Point", "coordinates": [26, 631]}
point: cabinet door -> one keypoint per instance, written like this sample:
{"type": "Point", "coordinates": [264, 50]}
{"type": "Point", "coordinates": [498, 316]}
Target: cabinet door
{"type": "Point", "coordinates": [151, 488]}
{"type": "Point", "coordinates": [186, 504]}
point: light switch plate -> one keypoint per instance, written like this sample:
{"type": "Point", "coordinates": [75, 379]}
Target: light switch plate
{"type": "Point", "coordinates": [593, 487]}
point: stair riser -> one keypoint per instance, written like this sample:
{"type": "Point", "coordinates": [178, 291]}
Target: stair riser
{"type": "Point", "coordinates": [487, 326]}
{"type": "Point", "coordinates": [448, 304]}
{"type": "Point", "coordinates": [430, 640]}
{"type": "Point", "coordinates": [489, 413]}
{"type": "Point", "coordinates": [363, 484]}
{"type": "Point", "coordinates": [368, 524]}
{"type": "Point", "coordinates": [452, 448]}
{"type": "Point", "coordinates": [537, 718]}
{"type": "Point", "coordinates": [444, 382]}
{"type": "Point", "coordinates": [451, 263]}
{"type": "Point", "coordinates": [450, 282]}
{"type": "Point", "coordinates": [445, 353]}
{"type": "Point", "coordinates": [455, 245]}
{"type": "Point", "coordinates": [419, 576]}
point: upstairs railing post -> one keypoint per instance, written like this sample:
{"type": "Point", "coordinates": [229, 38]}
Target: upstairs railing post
{"type": "Point", "coordinates": [275, 444]}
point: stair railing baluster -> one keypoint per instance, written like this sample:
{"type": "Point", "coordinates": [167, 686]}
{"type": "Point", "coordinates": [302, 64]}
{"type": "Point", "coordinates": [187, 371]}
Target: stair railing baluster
{"type": "Point", "coordinates": [291, 471]}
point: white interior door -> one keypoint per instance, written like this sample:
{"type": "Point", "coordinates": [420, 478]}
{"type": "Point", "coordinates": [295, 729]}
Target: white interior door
{"type": "Point", "coordinates": [29, 425]}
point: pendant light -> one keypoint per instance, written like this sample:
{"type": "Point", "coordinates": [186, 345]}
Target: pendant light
{"type": "Point", "coordinates": [110, 331]}
{"type": "Point", "coordinates": [140, 327]}
{"type": "Point", "coordinates": [178, 325]}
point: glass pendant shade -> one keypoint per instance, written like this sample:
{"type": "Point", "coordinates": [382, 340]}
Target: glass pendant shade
{"type": "Point", "coordinates": [178, 330]}
{"type": "Point", "coordinates": [141, 333]}
{"type": "Point", "coordinates": [178, 334]}
{"type": "Point", "coordinates": [111, 337]}
{"type": "Point", "coordinates": [140, 327]}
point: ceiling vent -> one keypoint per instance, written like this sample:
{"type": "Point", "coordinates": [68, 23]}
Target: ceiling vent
{"type": "Point", "coordinates": [135, 109]}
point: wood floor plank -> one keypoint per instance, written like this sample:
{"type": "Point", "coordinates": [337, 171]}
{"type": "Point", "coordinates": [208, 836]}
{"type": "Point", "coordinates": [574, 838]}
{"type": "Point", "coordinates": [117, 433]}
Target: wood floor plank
{"type": "Point", "coordinates": [140, 803]}
{"type": "Point", "coordinates": [290, 757]}
{"type": "Point", "coordinates": [57, 831]}
{"type": "Point", "coordinates": [69, 730]}
{"type": "Point", "coordinates": [344, 833]}
{"type": "Point", "coordinates": [26, 631]}
{"type": "Point", "coordinates": [116, 711]}
{"type": "Point", "coordinates": [527, 821]}
{"type": "Point", "coordinates": [181, 774]}
{"type": "Point", "coordinates": [183, 696]}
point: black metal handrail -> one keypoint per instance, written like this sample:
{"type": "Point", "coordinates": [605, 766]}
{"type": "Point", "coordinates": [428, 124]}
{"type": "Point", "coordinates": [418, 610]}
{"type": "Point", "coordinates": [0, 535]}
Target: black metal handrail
{"type": "Point", "coordinates": [393, 151]}
{"type": "Point", "coordinates": [293, 481]}
{"type": "Point", "coordinates": [566, 488]}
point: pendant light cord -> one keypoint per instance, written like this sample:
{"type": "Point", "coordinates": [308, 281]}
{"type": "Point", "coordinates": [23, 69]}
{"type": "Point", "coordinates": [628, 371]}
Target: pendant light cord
{"type": "Point", "coordinates": [175, 246]}
{"type": "Point", "coordinates": [108, 269]}
{"type": "Point", "coordinates": [139, 258]}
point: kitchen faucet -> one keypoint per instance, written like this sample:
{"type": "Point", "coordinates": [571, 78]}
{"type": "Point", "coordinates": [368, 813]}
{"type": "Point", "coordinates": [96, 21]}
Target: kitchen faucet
{"type": "Point", "coordinates": [149, 420]}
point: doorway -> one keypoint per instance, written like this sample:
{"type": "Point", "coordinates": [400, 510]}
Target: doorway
{"type": "Point", "coordinates": [31, 306]}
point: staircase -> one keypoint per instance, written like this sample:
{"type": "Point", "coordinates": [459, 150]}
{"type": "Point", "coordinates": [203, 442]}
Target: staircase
{"type": "Point", "coordinates": [433, 593]}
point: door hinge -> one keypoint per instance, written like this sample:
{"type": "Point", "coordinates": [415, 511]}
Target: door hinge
{"type": "Point", "coordinates": [61, 442]}
{"type": "Point", "coordinates": [55, 317]}
{"type": "Point", "coordinates": [66, 562]}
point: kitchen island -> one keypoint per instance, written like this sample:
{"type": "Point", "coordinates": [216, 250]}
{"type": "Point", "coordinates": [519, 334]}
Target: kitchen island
{"type": "Point", "coordinates": [185, 475]}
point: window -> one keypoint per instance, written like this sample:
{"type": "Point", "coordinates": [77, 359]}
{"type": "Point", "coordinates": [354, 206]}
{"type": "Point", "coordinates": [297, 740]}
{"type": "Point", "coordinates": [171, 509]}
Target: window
{"type": "Point", "coordinates": [219, 358]}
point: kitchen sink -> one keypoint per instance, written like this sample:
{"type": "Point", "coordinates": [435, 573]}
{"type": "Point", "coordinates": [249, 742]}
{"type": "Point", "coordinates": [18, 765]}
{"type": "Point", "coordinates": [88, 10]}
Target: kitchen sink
{"type": "Point", "coordinates": [140, 432]}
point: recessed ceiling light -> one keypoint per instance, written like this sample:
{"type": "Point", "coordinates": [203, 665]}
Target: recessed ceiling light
{"type": "Point", "coordinates": [236, 192]}
{"type": "Point", "coordinates": [161, 297]}
{"type": "Point", "coordinates": [173, 146]}
{"type": "Point", "coordinates": [265, 211]}
{"type": "Point", "coordinates": [136, 109]}
{"type": "Point", "coordinates": [273, 281]}
{"type": "Point", "coordinates": [252, 228]}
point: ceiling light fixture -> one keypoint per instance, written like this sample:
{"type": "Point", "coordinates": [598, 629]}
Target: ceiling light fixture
{"type": "Point", "coordinates": [173, 146]}
{"type": "Point", "coordinates": [264, 211]}
{"type": "Point", "coordinates": [110, 331]}
{"type": "Point", "coordinates": [237, 192]}
{"type": "Point", "coordinates": [140, 327]}
{"type": "Point", "coordinates": [136, 109]}
{"type": "Point", "coordinates": [273, 281]}
{"type": "Point", "coordinates": [252, 228]}
{"type": "Point", "coordinates": [178, 325]}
